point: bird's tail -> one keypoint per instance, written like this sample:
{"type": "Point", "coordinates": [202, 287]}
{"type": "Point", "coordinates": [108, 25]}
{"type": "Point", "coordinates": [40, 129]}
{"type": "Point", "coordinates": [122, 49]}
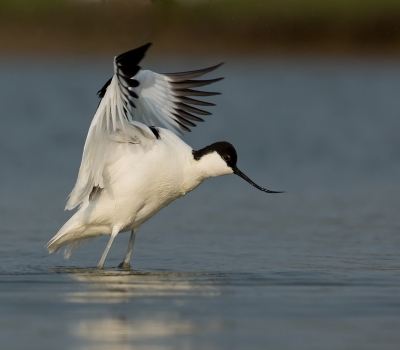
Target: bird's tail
{"type": "Point", "coordinates": [70, 235]}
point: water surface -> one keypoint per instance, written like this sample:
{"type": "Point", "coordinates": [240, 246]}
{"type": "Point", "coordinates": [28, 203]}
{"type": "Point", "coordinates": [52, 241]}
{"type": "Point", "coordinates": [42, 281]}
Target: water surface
{"type": "Point", "coordinates": [226, 267]}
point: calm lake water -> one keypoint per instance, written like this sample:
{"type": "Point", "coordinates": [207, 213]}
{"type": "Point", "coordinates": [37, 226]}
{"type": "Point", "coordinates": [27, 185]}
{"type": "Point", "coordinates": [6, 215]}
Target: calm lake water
{"type": "Point", "coordinates": [226, 267]}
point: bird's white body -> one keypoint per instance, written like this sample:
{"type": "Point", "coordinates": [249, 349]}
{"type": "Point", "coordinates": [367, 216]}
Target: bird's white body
{"type": "Point", "coordinates": [132, 169]}
{"type": "Point", "coordinates": [156, 175]}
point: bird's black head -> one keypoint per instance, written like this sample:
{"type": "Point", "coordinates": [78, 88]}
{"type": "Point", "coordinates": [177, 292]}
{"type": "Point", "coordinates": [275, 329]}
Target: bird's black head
{"type": "Point", "coordinates": [228, 154]}
{"type": "Point", "coordinates": [226, 151]}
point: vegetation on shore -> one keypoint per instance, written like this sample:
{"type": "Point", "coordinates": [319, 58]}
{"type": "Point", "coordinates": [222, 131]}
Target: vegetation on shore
{"type": "Point", "coordinates": [233, 26]}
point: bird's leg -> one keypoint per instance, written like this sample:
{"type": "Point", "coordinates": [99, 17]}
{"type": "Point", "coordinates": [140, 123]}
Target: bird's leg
{"type": "Point", "coordinates": [126, 263]}
{"type": "Point", "coordinates": [115, 231]}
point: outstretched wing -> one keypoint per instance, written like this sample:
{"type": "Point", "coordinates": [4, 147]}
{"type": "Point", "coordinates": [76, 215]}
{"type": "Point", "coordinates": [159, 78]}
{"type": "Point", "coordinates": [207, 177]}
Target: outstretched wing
{"type": "Point", "coordinates": [159, 99]}
{"type": "Point", "coordinates": [131, 101]}
{"type": "Point", "coordinates": [108, 140]}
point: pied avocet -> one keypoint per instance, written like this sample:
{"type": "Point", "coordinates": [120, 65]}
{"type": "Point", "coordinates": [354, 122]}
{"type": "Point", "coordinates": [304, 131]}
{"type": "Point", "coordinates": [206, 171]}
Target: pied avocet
{"type": "Point", "coordinates": [132, 167]}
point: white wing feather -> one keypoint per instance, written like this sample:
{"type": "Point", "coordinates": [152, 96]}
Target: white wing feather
{"type": "Point", "coordinates": [108, 130]}
{"type": "Point", "coordinates": [132, 100]}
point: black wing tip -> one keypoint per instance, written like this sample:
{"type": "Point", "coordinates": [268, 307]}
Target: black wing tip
{"type": "Point", "coordinates": [192, 101]}
{"type": "Point", "coordinates": [189, 92]}
{"type": "Point", "coordinates": [200, 71]}
{"type": "Point", "coordinates": [188, 115]}
{"type": "Point", "coordinates": [142, 48]}
{"type": "Point", "coordinates": [193, 74]}
{"type": "Point", "coordinates": [184, 121]}
{"type": "Point", "coordinates": [146, 46]}
{"type": "Point", "coordinates": [135, 54]}
{"type": "Point", "coordinates": [181, 84]}
{"type": "Point", "coordinates": [183, 127]}
{"type": "Point", "coordinates": [218, 65]}
{"type": "Point", "coordinates": [188, 108]}
{"type": "Point", "coordinates": [192, 83]}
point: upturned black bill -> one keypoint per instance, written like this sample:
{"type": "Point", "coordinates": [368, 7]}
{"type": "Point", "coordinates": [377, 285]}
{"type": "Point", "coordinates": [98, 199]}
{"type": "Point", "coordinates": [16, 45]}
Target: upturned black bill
{"type": "Point", "coordinates": [243, 176]}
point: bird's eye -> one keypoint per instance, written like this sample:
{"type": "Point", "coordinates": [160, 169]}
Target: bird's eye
{"type": "Point", "coordinates": [227, 157]}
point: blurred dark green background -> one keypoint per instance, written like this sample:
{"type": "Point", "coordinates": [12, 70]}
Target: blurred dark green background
{"type": "Point", "coordinates": [365, 27]}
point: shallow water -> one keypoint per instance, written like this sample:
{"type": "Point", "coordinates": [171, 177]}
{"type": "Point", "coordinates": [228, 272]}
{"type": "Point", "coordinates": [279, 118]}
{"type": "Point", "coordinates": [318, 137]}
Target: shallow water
{"type": "Point", "coordinates": [226, 267]}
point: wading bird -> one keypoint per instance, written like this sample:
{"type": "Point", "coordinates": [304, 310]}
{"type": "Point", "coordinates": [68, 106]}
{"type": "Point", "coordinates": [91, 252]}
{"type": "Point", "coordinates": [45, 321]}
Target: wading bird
{"type": "Point", "coordinates": [132, 167]}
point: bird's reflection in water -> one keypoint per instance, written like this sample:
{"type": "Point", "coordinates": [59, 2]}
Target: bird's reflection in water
{"type": "Point", "coordinates": [118, 286]}
{"type": "Point", "coordinates": [138, 330]}
{"type": "Point", "coordinates": [121, 334]}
